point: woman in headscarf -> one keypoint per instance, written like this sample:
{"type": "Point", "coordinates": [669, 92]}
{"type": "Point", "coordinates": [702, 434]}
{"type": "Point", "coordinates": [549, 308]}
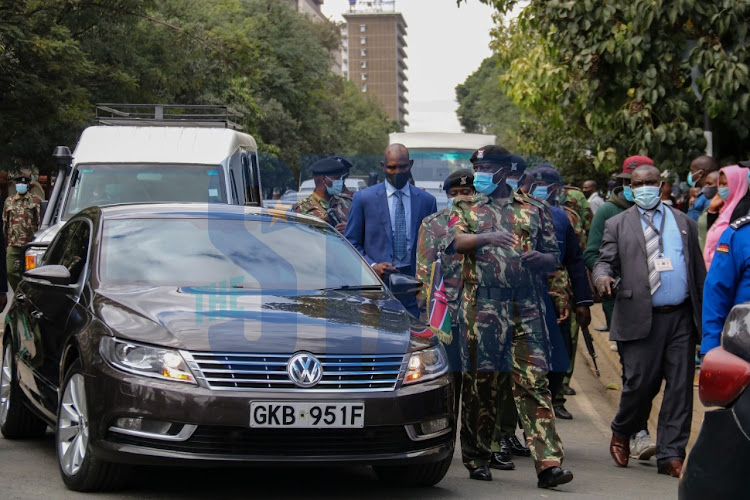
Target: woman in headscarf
{"type": "Point", "coordinates": [733, 184]}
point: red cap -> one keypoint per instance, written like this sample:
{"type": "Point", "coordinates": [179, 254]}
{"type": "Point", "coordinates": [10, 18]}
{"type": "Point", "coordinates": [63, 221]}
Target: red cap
{"type": "Point", "coordinates": [631, 163]}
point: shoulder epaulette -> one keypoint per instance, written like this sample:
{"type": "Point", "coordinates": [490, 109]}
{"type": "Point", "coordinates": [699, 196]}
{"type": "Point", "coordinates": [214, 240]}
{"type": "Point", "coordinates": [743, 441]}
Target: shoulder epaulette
{"type": "Point", "coordinates": [531, 200]}
{"type": "Point", "coordinates": [742, 221]}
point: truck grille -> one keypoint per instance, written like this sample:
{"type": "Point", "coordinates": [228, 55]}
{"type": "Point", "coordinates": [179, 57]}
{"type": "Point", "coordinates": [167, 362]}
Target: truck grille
{"type": "Point", "coordinates": [239, 371]}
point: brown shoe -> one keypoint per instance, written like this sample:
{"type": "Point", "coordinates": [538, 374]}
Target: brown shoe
{"type": "Point", "coordinates": [620, 450]}
{"type": "Point", "coordinates": [673, 468]}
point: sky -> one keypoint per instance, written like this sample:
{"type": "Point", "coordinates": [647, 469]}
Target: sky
{"type": "Point", "coordinates": [445, 44]}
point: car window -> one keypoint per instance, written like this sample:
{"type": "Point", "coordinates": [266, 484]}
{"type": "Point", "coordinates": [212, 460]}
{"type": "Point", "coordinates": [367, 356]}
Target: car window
{"type": "Point", "coordinates": [97, 185]}
{"type": "Point", "coordinates": [70, 249]}
{"type": "Point", "coordinates": [259, 254]}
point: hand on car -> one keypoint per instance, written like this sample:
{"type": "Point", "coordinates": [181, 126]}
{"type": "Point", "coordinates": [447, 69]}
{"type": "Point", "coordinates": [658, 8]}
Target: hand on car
{"type": "Point", "coordinates": [384, 268]}
{"type": "Point", "coordinates": [341, 227]}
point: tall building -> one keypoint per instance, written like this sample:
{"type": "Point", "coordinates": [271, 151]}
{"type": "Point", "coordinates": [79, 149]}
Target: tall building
{"type": "Point", "coordinates": [374, 54]}
{"type": "Point", "coordinates": [311, 9]}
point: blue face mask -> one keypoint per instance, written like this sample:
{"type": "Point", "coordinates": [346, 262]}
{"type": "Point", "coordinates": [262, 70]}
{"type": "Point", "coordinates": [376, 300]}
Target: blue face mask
{"type": "Point", "coordinates": [22, 188]}
{"type": "Point", "coordinates": [336, 187]}
{"type": "Point", "coordinates": [723, 193]}
{"type": "Point", "coordinates": [540, 192]}
{"type": "Point", "coordinates": [690, 180]}
{"type": "Point", "coordinates": [627, 192]}
{"type": "Point", "coordinates": [483, 182]}
{"type": "Point", "coordinates": [512, 184]}
{"type": "Point", "coordinates": [646, 197]}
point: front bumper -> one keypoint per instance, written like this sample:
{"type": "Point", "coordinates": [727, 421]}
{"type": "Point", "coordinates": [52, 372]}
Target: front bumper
{"type": "Point", "coordinates": [223, 435]}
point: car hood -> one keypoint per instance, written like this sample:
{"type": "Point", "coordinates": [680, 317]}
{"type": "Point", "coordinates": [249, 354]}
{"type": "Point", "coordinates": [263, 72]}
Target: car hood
{"type": "Point", "coordinates": [199, 319]}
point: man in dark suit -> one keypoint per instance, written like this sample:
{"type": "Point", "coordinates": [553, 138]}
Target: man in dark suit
{"type": "Point", "coordinates": [657, 316]}
{"type": "Point", "coordinates": [384, 219]}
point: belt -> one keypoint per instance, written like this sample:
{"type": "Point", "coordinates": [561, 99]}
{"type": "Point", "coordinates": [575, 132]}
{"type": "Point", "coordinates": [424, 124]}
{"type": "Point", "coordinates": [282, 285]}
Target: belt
{"type": "Point", "coordinates": [669, 309]}
{"type": "Point", "coordinates": [496, 293]}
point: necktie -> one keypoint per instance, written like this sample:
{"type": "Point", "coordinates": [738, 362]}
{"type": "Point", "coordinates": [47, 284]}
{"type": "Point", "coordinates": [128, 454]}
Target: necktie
{"type": "Point", "coordinates": [652, 252]}
{"type": "Point", "coordinates": [399, 231]}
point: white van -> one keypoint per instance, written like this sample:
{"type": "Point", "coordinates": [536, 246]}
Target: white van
{"type": "Point", "coordinates": [172, 153]}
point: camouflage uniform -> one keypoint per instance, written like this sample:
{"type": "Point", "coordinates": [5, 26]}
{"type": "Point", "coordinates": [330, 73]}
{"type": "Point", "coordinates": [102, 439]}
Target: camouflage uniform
{"type": "Point", "coordinates": [499, 290]}
{"type": "Point", "coordinates": [433, 239]}
{"type": "Point", "coordinates": [577, 202]}
{"type": "Point", "coordinates": [317, 206]}
{"type": "Point", "coordinates": [22, 216]}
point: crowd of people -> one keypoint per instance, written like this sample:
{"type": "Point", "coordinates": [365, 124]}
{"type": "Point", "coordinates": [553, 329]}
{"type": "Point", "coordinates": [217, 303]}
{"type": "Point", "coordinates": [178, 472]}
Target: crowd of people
{"type": "Point", "coordinates": [523, 256]}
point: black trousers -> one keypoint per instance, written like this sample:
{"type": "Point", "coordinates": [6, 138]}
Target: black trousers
{"type": "Point", "coordinates": [666, 354]}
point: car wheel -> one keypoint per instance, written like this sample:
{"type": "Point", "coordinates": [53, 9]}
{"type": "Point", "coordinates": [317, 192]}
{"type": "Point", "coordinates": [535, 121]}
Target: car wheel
{"type": "Point", "coordinates": [16, 420]}
{"type": "Point", "coordinates": [418, 475]}
{"type": "Point", "coordinates": [80, 470]}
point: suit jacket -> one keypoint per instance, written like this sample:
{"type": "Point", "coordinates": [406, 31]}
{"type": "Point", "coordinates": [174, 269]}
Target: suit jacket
{"type": "Point", "coordinates": [623, 253]}
{"type": "Point", "coordinates": [369, 224]}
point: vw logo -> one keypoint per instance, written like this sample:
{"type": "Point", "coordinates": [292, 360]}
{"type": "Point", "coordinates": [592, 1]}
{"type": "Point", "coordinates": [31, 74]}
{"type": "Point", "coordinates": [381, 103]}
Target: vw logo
{"type": "Point", "coordinates": [304, 369]}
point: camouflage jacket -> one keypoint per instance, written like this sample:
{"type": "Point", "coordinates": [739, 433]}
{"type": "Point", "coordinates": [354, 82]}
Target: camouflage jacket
{"type": "Point", "coordinates": [22, 216]}
{"type": "Point", "coordinates": [435, 238]}
{"type": "Point", "coordinates": [560, 289]}
{"type": "Point", "coordinates": [577, 202]}
{"type": "Point", "coordinates": [496, 267]}
{"type": "Point", "coordinates": [317, 206]}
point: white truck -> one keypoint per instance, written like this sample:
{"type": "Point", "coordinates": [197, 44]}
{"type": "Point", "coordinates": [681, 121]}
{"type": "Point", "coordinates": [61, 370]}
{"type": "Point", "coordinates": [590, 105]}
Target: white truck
{"type": "Point", "coordinates": [152, 153]}
{"type": "Point", "coordinates": [437, 154]}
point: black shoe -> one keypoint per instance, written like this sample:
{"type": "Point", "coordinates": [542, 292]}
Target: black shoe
{"type": "Point", "coordinates": [482, 473]}
{"type": "Point", "coordinates": [554, 476]}
{"type": "Point", "coordinates": [516, 448]}
{"type": "Point", "coordinates": [502, 461]}
{"type": "Point", "coordinates": [561, 412]}
{"type": "Point", "coordinates": [569, 391]}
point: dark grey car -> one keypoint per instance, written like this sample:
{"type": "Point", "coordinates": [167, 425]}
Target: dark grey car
{"type": "Point", "coordinates": [194, 333]}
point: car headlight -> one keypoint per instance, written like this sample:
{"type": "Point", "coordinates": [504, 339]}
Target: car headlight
{"type": "Point", "coordinates": [426, 364]}
{"type": "Point", "coordinates": [156, 362]}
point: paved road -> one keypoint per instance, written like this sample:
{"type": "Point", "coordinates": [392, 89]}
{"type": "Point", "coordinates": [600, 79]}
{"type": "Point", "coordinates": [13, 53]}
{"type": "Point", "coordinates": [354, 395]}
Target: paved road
{"type": "Point", "coordinates": [28, 470]}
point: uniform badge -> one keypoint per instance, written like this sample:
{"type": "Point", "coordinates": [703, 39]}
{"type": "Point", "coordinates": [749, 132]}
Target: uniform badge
{"type": "Point", "coordinates": [453, 221]}
{"type": "Point", "coordinates": [463, 180]}
{"type": "Point", "coordinates": [723, 248]}
{"type": "Point", "coordinates": [480, 154]}
{"type": "Point", "coordinates": [513, 166]}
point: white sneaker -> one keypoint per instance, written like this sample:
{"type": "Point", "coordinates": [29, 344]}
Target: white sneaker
{"type": "Point", "coordinates": [641, 446]}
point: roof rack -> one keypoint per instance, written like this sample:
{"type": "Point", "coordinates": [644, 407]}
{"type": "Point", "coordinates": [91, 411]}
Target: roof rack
{"type": "Point", "coordinates": [168, 115]}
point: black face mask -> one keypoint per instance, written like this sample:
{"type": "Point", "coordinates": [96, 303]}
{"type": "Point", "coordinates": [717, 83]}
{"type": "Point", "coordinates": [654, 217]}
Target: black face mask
{"type": "Point", "coordinates": [398, 180]}
{"type": "Point", "coordinates": [710, 192]}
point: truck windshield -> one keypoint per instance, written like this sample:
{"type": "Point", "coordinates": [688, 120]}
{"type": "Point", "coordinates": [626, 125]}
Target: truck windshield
{"type": "Point", "coordinates": [435, 164]}
{"type": "Point", "coordinates": [97, 185]}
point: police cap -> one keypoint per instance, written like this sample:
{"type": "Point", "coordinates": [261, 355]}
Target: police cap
{"type": "Point", "coordinates": [459, 179]}
{"type": "Point", "coordinates": [22, 179]}
{"type": "Point", "coordinates": [333, 165]}
{"type": "Point", "coordinates": [514, 163]}
{"type": "Point", "coordinates": [546, 173]}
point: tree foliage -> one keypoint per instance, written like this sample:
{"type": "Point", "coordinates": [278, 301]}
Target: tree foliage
{"type": "Point", "coordinates": [59, 57]}
{"type": "Point", "coordinates": [633, 76]}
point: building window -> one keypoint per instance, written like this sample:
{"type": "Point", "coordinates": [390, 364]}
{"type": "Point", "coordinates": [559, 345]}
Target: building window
{"type": "Point", "coordinates": [362, 28]}
{"type": "Point", "coordinates": [363, 52]}
{"type": "Point", "coordinates": [364, 76]}
{"type": "Point", "coordinates": [363, 65]}
{"type": "Point", "coordinates": [363, 40]}
{"type": "Point", "coordinates": [364, 87]}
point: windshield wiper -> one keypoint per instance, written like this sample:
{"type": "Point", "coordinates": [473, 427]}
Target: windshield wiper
{"type": "Point", "coordinates": [353, 287]}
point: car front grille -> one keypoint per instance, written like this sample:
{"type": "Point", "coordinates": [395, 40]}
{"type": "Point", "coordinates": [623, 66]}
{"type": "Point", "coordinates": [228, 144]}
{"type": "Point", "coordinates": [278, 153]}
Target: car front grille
{"type": "Point", "coordinates": [238, 371]}
{"type": "Point", "coordinates": [239, 441]}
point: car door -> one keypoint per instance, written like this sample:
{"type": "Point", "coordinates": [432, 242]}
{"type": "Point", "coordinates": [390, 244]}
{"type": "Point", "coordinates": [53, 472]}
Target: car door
{"type": "Point", "coordinates": [47, 310]}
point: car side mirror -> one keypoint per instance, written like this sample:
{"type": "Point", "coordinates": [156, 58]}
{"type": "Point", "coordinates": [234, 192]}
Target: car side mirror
{"type": "Point", "coordinates": [403, 284]}
{"type": "Point", "coordinates": [57, 275]}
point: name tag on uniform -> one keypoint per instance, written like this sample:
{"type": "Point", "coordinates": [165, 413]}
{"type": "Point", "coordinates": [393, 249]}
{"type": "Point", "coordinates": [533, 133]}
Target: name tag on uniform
{"type": "Point", "coordinates": [663, 264]}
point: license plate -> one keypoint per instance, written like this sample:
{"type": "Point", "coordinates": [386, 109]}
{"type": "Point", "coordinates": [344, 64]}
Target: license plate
{"type": "Point", "coordinates": [323, 415]}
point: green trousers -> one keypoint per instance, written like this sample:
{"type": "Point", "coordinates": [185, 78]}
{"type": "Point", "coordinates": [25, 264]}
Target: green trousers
{"type": "Point", "coordinates": [13, 262]}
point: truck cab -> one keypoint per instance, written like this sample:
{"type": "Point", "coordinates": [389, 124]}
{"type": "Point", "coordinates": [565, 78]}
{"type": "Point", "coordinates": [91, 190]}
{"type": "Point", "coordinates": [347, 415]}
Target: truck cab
{"type": "Point", "coordinates": [156, 153]}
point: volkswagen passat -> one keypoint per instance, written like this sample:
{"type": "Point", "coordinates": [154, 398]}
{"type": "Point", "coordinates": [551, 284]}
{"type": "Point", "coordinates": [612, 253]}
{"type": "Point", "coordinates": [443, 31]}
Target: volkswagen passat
{"type": "Point", "coordinates": [208, 334]}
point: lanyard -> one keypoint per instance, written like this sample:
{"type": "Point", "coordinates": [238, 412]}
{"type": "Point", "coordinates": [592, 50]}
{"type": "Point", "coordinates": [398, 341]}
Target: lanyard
{"type": "Point", "coordinates": [659, 231]}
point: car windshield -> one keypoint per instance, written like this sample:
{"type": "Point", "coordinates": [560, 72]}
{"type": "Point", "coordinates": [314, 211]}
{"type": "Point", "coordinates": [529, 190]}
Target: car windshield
{"type": "Point", "coordinates": [97, 185]}
{"type": "Point", "coordinates": [438, 163]}
{"type": "Point", "coordinates": [270, 254]}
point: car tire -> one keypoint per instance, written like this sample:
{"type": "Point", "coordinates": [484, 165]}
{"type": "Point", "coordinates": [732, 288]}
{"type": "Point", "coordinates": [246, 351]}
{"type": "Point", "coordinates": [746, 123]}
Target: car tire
{"type": "Point", "coordinates": [79, 468]}
{"type": "Point", "coordinates": [17, 421]}
{"type": "Point", "coordinates": [414, 476]}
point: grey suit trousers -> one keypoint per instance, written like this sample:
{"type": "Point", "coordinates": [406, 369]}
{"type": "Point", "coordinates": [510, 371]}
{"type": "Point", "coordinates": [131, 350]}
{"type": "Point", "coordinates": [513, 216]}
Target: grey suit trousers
{"type": "Point", "coordinates": [668, 353]}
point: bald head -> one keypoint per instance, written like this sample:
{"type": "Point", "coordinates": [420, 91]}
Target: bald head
{"type": "Point", "coordinates": [701, 167]}
{"type": "Point", "coordinates": [589, 187]}
{"type": "Point", "coordinates": [397, 150]}
{"type": "Point", "coordinates": [397, 165]}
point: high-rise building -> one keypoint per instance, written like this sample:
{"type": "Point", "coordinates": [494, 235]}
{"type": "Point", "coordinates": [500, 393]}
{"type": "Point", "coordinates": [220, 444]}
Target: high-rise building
{"type": "Point", "coordinates": [374, 54]}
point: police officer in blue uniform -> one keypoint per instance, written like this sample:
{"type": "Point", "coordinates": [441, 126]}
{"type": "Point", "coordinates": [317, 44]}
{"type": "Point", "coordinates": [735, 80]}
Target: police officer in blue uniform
{"type": "Point", "coordinates": [727, 282]}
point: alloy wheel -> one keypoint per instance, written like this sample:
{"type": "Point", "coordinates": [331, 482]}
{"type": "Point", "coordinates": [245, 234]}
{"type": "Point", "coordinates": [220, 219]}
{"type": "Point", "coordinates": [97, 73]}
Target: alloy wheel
{"type": "Point", "coordinates": [6, 376]}
{"type": "Point", "coordinates": [73, 426]}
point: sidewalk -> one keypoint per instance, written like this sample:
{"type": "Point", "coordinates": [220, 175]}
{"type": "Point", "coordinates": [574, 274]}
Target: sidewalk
{"type": "Point", "coordinates": [611, 374]}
